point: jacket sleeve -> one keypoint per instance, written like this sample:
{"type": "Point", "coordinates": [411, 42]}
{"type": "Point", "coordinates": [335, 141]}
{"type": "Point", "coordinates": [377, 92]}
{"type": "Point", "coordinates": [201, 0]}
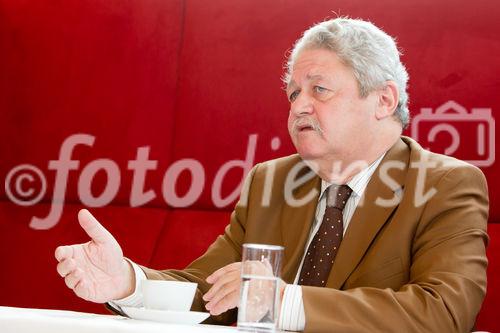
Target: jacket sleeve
{"type": "Point", "coordinates": [225, 250]}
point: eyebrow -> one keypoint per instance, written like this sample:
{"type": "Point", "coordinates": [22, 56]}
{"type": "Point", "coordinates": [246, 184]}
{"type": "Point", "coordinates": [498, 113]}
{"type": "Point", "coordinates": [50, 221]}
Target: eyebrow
{"type": "Point", "coordinates": [309, 77]}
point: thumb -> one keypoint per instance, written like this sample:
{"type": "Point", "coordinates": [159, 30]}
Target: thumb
{"type": "Point", "coordinates": [93, 228]}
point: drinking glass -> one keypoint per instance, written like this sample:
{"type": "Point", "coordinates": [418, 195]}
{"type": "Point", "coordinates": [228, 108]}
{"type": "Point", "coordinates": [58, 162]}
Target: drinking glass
{"type": "Point", "coordinates": [259, 296]}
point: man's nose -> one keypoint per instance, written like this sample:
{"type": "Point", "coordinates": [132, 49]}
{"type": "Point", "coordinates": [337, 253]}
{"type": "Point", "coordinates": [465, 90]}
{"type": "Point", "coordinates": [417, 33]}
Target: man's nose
{"type": "Point", "coordinates": [303, 105]}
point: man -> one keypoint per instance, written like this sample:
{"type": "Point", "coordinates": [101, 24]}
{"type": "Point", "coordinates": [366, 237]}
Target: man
{"type": "Point", "coordinates": [379, 234]}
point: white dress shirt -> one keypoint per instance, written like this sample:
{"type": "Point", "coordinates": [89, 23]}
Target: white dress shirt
{"type": "Point", "coordinates": [292, 316]}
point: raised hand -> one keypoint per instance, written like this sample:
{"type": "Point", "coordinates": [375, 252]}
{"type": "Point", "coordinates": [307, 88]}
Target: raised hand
{"type": "Point", "coordinates": [96, 271]}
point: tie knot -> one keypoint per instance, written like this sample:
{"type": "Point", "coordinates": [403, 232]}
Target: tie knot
{"type": "Point", "coordinates": [337, 196]}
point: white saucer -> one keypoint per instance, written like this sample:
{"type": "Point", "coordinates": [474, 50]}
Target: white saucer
{"type": "Point", "coordinates": [164, 316]}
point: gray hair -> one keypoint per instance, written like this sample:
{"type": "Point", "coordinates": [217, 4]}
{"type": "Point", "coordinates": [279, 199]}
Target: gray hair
{"type": "Point", "coordinates": [370, 52]}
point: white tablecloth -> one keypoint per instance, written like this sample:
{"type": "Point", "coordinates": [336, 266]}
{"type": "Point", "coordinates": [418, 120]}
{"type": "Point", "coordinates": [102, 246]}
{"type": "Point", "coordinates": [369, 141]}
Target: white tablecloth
{"type": "Point", "coordinates": [21, 320]}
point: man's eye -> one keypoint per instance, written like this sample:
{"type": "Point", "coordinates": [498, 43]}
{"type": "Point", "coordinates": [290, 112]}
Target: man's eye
{"type": "Point", "coordinates": [293, 96]}
{"type": "Point", "coordinates": [319, 89]}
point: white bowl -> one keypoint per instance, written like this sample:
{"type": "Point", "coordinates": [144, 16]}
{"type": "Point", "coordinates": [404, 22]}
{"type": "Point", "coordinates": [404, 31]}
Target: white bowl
{"type": "Point", "coordinates": [168, 295]}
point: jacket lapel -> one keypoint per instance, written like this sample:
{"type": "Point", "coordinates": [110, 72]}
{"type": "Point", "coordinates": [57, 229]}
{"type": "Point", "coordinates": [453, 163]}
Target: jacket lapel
{"type": "Point", "coordinates": [296, 223]}
{"type": "Point", "coordinates": [370, 216]}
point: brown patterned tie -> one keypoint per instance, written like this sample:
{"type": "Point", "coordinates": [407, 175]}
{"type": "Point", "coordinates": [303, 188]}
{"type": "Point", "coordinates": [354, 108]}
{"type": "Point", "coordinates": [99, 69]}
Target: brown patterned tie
{"type": "Point", "coordinates": [325, 244]}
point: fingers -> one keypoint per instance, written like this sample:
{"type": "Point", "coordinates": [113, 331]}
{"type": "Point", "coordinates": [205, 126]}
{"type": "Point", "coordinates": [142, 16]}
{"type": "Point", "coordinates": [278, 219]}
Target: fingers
{"type": "Point", "coordinates": [257, 267]}
{"type": "Point", "coordinates": [220, 284]}
{"type": "Point", "coordinates": [66, 266]}
{"type": "Point", "coordinates": [224, 294]}
{"type": "Point", "coordinates": [73, 278]}
{"type": "Point", "coordinates": [228, 288]}
{"type": "Point", "coordinates": [81, 290]}
{"type": "Point", "coordinates": [63, 252]}
{"type": "Point", "coordinates": [93, 228]}
{"type": "Point", "coordinates": [223, 271]}
{"type": "Point", "coordinates": [222, 276]}
{"type": "Point", "coordinates": [268, 269]}
{"type": "Point", "coordinates": [229, 302]}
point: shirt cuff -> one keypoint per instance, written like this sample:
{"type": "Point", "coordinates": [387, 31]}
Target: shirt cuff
{"type": "Point", "coordinates": [292, 315]}
{"type": "Point", "coordinates": [135, 299]}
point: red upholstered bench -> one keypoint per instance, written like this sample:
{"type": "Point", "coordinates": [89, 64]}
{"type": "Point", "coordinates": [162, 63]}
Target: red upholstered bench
{"type": "Point", "coordinates": [190, 80]}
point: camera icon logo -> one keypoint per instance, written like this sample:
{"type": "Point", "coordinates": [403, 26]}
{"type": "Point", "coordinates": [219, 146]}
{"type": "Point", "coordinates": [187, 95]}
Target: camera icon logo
{"type": "Point", "coordinates": [452, 130]}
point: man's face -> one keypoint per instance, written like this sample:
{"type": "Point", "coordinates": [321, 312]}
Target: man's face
{"type": "Point", "coordinates": [328, 120]}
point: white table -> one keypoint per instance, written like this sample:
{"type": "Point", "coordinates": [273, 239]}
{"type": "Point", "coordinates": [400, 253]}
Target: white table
{"type": "Point", "coordinates": [22, 320]}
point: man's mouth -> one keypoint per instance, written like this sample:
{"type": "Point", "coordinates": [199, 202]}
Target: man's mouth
{"type": "Point", "coordinates": [305, 128]}
{"type": "Point", "coordinates": [306, 125]}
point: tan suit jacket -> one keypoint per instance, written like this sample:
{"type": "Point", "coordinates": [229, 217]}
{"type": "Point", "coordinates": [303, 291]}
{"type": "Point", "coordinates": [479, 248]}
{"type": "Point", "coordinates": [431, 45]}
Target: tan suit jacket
{"type": "Point", "coordinates": [407, 266]}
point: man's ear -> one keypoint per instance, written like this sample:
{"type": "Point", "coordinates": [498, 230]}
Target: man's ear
{"type": "Point", "coordinates": [388, 98]}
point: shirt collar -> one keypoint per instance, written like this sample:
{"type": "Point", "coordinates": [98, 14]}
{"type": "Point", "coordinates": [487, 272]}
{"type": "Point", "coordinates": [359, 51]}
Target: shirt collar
{"type": "Point", "coordinates": [360, 180]}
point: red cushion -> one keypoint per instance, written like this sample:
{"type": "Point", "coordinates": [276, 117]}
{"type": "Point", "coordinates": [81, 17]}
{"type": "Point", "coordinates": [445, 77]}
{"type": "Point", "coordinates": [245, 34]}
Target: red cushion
{"type": "Point", "coordinates": [102, 68]}
{"type": "Point", "coordinates": [29, 277]}
{"type": "Point", "coordinates": [186, 235]}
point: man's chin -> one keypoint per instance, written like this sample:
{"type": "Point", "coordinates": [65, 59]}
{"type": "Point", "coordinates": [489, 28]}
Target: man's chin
{"type": "Point", "coordinates": [308, 154]}
{"type": "Point", "coordinates": [309, 148]}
